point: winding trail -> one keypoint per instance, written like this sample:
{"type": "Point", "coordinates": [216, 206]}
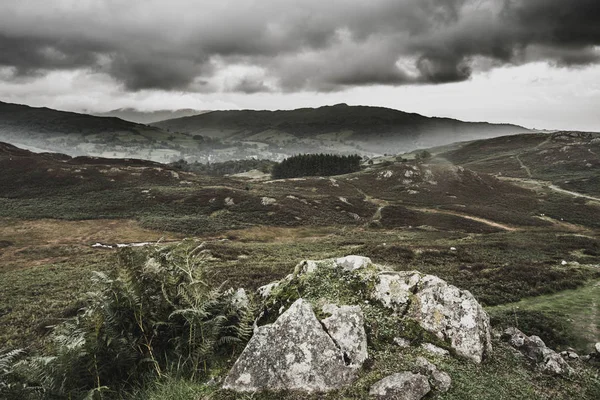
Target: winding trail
{"type": "Point", "coordinates": [383, 203]}
{"type": "Point", "coordinates": [523, 166]}
{"type": "Point", "coordinates": [465, 216]}
{"type": "Point", "coordinates": [574, 194]}
{"type": "Point", "coordinates": [547, 185]}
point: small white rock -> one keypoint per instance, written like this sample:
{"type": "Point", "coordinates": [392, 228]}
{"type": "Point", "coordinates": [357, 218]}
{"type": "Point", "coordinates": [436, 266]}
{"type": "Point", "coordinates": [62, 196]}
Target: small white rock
{"type": "Point", "coordinates": [402, 343]}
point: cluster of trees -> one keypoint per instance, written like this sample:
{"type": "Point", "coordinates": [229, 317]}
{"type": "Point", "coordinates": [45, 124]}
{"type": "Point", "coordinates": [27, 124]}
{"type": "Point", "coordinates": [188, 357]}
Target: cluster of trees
{"type": "Point", "coordinates": [316, 165]}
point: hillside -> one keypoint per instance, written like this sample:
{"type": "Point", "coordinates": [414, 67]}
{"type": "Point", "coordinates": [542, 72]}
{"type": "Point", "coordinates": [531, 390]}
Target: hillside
{"type": "Point", "coordinates": [233, 135]}
{"type": "Point", "coordinates": [372, 129]}
{"type": "Point", "coordinates": [21, 121]}
{"type": "Point", "coordinates": [45, 129]}
{"type": "Point", "coordinates": [568, 161]}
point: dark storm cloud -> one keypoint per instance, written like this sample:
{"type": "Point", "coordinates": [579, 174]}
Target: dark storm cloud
{"type": "Point", "coordinates": [298, 45]}
{"type": "Point", "coordinates": [30, 54]}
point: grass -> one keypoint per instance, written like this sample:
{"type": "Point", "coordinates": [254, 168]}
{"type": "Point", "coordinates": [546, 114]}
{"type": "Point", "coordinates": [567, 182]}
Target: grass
{"type": "Point", "coordinates": [46, 260]}
{"type": "Point", "coordinates": [46, 266]}
{"type": "Point", "coordinates": [35, 298]}
{"type": "Point", "coordinates": [43, 294]}
{"type": "Point", "coordinates": [574, 314]}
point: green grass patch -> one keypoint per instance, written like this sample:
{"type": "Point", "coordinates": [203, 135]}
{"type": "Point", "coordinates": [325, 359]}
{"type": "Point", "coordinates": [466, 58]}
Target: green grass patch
{"type": "Point", "coordinates": [570, 318]}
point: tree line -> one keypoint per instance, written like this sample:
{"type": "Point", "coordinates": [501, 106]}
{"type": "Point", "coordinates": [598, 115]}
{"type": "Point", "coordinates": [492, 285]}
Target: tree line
{"type": "Point", "coordinates": [316, 165]}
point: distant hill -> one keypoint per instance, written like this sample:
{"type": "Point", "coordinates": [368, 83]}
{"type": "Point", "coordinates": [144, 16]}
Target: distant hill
{"type": "Point", "coordinates": [375, 129]}
{"type": "Point", "coordinates": [17, 120]}
{"type": "Point", "coordinates": [148, 117]}
{"type": "Point", "coordinates": [45, 129]}
{"type": "Point", "coordinates": [220, 136]}
{"type": "Point", "coordinates": [569, 160]}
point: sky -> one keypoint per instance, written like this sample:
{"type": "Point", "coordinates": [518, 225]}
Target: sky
{"type": "Point", "coordinates": [530, 62]}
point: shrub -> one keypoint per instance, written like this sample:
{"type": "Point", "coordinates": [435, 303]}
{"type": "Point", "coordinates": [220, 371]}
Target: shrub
{"type": "Point", "coordinates": [155, 316]}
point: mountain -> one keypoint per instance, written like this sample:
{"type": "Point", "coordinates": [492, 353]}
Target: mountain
{"type": "Point", "coordinates": [148, 117]}
{"type": "Point", "coordinates": [45, 129]}
{"type": "Point", "coordinates": [349, 128]}
{"type": "Point", "coordinates": [21, 120]}
{"type": "Point", "coordinates": [235, 135]}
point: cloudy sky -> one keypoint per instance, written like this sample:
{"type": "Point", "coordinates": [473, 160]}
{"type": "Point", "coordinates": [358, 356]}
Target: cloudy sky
{"type": "Point", "coordinates": [532, 62]}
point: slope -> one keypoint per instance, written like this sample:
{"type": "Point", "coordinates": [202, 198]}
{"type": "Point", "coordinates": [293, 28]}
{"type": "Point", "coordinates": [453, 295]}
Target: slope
{"type": "Point", "coordinates": [563, 162]}
{"type": "Point", "coordinates": [371, 128]}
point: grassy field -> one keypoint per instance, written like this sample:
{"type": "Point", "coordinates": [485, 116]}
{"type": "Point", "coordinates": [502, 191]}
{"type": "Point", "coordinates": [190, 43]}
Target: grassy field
{"type": "Point", "coordinates": [578, 309]}
{"type": "Point", "coordinates": [46, 264]}
{"type": "Point", "coordinates": [529, 254]}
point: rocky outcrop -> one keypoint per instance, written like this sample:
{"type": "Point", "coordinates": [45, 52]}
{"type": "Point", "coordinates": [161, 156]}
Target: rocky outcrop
{"type": "Point", "coordinates": [302, 352]}
{"type": "Point", "coordinates": [449, 312]}
{"type": "Point", "coordinates": [435, 350]}
{"type": "Point", "coordinates": [296, 353]}
{"type": "Point", "coordinates": [401, 386]}
{"type": "Point", "coordinates": [352, 263]}
{"type": "Point", "coordinates": [535, 350]}
{"type": "Point", "coordinates": [348, 264]}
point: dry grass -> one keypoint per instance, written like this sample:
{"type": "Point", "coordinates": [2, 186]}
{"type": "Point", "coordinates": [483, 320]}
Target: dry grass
{"type": "Point", "coordinates": [28, 243]}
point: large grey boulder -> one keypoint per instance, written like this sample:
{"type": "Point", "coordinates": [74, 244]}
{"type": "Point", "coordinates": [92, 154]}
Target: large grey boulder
{"type": "Point", "coordinates": [452, 314]}
{"type": "Point", "coordinates": [401, 386]}
{"type": "Point", "coordinates": [346, 326]}
{"type": "Point", "coordinates": [535, 350]}
{"type": "Point", "coordinates": [293, 353]}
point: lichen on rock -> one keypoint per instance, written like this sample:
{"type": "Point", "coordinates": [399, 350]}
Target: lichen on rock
{"type": "Point", "coordinates": [534, 349]}
{"type": "Point", "coordinates": [294, 353]}
{"type": "Point", "coordinates": [452, 314]}
{"type": "Point", "coordinates": [357, 303]}
{"type": "Point", "coordinates": [346, 326]}
{"type": "Point", "coordinates": [401, 386]}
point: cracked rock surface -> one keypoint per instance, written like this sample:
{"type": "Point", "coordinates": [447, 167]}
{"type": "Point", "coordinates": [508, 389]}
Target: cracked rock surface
{"type": "Point", "coordinates": [296, 353]}
{"type": "Point", "coordinates": [346, 328]}
{"type": "Point", "coordinates": [454, 315]}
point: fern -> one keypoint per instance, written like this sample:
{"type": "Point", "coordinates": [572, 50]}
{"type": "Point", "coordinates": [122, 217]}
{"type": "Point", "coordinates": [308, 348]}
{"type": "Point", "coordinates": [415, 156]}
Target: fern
{"type": "Point", "coordinates": [157, 313]}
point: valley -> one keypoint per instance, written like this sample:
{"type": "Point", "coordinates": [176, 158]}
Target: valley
{"type": "Point", "coordinates": [220, 136]}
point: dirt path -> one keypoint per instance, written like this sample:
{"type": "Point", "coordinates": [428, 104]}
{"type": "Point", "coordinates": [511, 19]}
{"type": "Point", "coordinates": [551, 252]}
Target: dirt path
{"type": "Point", "coordinates": [383, 203]}
{"type": "Point", "coordinates": [523, 166]}
{"type": "Point", "coordinates": [548, 185]}
{"type": "Point", "coordinates": [574, 194]}
{"type": "Point", "coordinates": [466, 216]}
{"type": "Point", "coordinates": [566, 225]}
